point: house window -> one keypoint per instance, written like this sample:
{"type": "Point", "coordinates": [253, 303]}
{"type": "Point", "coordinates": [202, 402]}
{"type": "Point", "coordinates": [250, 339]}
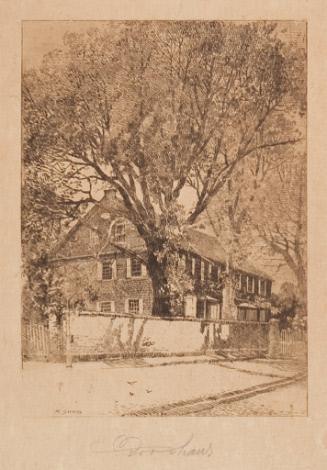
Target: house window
{"type": "Point", "coordinates": [252, 314]}
{"type": "Point", "coordinates": [264, 315]}
{"type": "Point", "coordinates": [107, 269]}
{"type": "Point", "coordinates": [213, 310]}
{"type": "Point", "coordinates": [134, 306]}
{"type": "Point", "coordinates": [250, 284]}
{"type": "Point", "coordinates": [93, 238]}
{"type": "Point", "coordinates": [209, 268]}
{"type": "Point", "coordinates": [238, 281]}
{"type": "Point", "coordinates": [106, 306]}
{"type": "Point", "coordinates": [262, 287]}
{"type": "Point", "coordinates": [214, 273]}
{"type": "Point", "coordinates": [118, 232]}
{"type": "Point", "coordinates": [136, 267]}
{"type": "Point", "coordinates": [241, 314]}
{"type": "Point", "coordinates": [243, 283]}
{"type": "Point", "coordinates": [197, 269]}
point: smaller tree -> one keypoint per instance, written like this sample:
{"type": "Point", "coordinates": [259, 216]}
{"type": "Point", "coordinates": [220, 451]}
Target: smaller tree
{"type": "Point", "coordinates": [42, 293]}
{"type": "Point", "coordinates": [280, 218]}
{"type": "Point", "coordinates": [230, 211]}
{"type": "Point", "coordinates": [287, 306]}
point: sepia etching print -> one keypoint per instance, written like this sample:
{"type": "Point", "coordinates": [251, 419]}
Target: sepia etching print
{"type": "Point", "coordinates": [164, 218]}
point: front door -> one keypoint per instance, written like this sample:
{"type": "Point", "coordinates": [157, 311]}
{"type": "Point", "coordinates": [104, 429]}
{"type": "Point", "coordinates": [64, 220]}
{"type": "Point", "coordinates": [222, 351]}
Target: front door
{"type": "Point", "coordinates": [213, 311]}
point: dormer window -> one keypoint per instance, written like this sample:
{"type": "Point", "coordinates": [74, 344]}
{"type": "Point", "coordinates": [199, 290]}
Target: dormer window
{"type": "Point", "coordinates": [118, 232]}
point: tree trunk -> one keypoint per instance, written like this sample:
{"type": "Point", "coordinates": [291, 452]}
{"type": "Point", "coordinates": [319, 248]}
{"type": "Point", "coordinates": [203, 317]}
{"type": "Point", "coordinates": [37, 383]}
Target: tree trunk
{"type": "Point", "coordinates": [302, 286]}
{"type": "Point", "coordinates": [157, 270]}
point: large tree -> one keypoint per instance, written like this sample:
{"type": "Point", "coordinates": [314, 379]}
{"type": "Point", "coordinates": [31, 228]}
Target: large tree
{"type": "Point", "coordinates": [150, 108]}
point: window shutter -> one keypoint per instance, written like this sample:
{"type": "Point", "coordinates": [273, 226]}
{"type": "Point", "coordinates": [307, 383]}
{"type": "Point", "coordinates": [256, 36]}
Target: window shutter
{"type": "Point", "coordinates": [219, 313]}
{"type": "Point", "coordinates": [114, 269]}
{"type": "Point", "coordinates": [193, 265]}
{"type": "Point", "coordinates": [143, 270]}
{"type": "Point", "coordinates": [141, 306]}
{"type": "Point", "coordinates": [113, 309]}
{"type": "Point", "coordinates": [98, 306]}
{"type": "Point", "coordinates": [202, 270]}
{"type": "Point", "coordinates": [128, 267]}
{"type": "Point", "coordinates": [99, 271]}
{"type": "Point", "coordinates": [126, 306]}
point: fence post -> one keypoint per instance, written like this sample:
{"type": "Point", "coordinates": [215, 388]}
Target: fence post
{"type": "Point", "coordinates": [274, 339]}
{"type": "Point", "coordinates": [69, 356]}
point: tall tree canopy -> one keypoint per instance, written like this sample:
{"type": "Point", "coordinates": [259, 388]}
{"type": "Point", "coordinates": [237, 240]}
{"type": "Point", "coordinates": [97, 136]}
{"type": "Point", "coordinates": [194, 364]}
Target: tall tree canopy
{"type": "Point", "coordinates": [152, 108]}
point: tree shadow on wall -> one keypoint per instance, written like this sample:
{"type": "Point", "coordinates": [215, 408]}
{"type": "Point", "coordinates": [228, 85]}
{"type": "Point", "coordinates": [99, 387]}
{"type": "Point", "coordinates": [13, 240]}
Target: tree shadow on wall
{"type": "Point", "coordinates": [116, 343]}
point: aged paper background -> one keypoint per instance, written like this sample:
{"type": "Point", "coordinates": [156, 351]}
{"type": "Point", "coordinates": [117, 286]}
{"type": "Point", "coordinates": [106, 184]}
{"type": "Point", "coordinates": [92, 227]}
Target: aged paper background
{"type": "Point", "coordinates": [238, 443]}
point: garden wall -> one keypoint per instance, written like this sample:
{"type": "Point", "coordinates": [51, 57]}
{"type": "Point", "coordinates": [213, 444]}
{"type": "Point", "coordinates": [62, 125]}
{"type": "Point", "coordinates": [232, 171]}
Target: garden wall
{"type": "Point", "coordinates": [126, 336]}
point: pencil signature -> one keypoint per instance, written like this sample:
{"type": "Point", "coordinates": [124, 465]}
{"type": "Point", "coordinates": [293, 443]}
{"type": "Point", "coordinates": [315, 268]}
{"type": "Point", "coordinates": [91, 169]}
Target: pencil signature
{"type": "Point", "coordinates": [133, 445]}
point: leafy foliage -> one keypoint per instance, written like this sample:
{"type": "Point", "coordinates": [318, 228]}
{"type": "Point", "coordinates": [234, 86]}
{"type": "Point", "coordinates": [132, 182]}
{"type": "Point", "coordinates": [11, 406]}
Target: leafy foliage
{"type": "Point", "coordinates": [287, 304]}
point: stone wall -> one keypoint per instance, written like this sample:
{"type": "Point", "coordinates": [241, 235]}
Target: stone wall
{"type": "Point", "coordinates": [123, 335]}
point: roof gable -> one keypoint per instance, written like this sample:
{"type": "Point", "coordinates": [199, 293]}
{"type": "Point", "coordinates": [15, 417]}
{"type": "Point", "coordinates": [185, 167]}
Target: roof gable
{"type": "Point", "coordinates": [209, 247]}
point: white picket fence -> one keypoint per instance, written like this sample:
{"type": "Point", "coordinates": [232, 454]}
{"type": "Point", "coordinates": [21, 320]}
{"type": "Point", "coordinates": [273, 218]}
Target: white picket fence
{"type": "Point", "coordinates": [293, 343]}
{"type": "Point", "coordinates": [35, 340]}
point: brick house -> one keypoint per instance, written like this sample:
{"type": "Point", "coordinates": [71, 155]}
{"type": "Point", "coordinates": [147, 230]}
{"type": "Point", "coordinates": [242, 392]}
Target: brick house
{"type": "Point", "coordinates": [97, 262]}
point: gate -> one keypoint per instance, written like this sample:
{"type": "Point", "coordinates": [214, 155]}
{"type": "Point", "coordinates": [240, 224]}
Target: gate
{"type": "Point", "coordinates": [35, 341]}
{"type": "Point", "coordinates": [293, 343]}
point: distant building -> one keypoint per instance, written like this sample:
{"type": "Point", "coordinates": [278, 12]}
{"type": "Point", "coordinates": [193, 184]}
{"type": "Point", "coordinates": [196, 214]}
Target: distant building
{"type": "Point", "coordinates": [117, 281]}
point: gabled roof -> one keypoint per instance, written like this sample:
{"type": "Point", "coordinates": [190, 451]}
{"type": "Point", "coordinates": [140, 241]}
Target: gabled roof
{"type": "Point", "coordinates": [204, 245]}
